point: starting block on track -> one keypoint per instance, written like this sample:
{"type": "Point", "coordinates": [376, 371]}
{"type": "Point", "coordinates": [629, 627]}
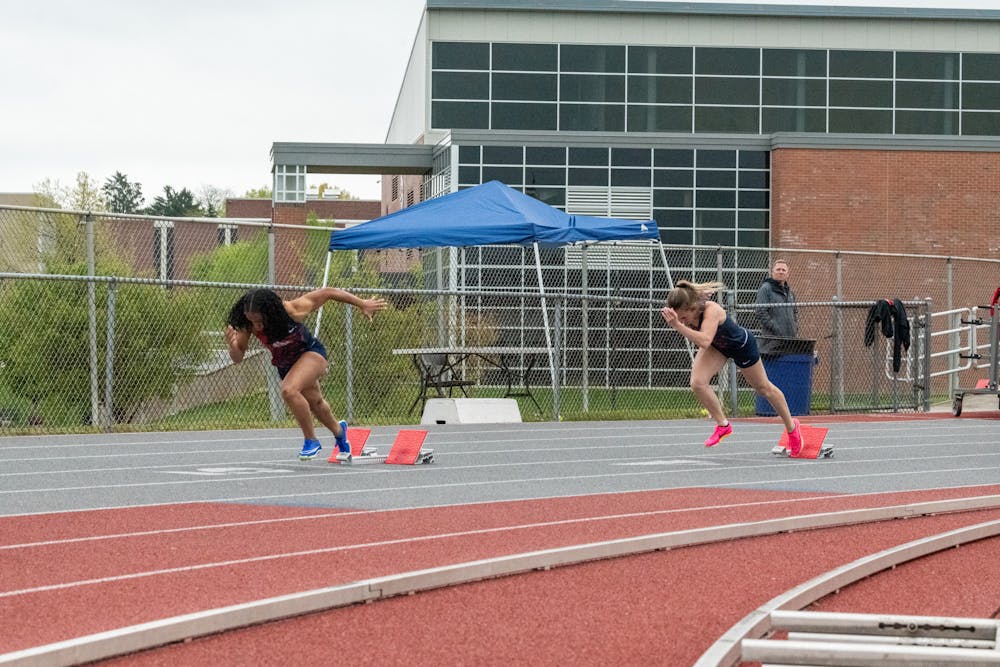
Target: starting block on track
{"type": "Point", "coordinates": [406, 450]}
{"type": "Point", "coordinates": [357, 437]}
{"type": "Point", "coordinates": [812, 444]}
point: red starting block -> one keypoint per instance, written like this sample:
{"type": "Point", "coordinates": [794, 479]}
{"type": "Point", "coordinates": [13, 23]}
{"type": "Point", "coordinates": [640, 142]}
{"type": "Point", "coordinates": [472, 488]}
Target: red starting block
{"type": "Point", "coordinates": [812, 444]}
{"type": "Point", "coordinates": [406, 449]}
{"type": "Point", "coordinates": [357, 437]}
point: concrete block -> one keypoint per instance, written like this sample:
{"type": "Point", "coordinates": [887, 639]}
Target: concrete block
{"type": "Point", "coordinates": [471, 411]}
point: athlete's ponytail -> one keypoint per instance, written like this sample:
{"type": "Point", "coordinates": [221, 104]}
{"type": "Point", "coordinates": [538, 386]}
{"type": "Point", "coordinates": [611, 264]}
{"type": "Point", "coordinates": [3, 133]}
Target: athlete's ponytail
{"type": "Point", "coordinates": [688, 295]}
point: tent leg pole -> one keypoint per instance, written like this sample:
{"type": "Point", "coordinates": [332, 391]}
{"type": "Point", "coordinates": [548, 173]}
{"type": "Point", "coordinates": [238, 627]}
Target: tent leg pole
{"type": "Point", "coordinates": [548, 335]}
{"type": "Point", "coordinates": [326, 276]}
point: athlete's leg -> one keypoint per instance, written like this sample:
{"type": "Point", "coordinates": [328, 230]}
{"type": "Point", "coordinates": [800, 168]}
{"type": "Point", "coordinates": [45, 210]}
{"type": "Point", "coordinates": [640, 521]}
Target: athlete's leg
{"type": "Point", "coordinates": [707, 363]}
{"type": "Point", "coordinates": [756, 376]}
{"type": "Point", "coordinates": [321, 408]}
{"type": "Point", "coordinates": [300, 379]}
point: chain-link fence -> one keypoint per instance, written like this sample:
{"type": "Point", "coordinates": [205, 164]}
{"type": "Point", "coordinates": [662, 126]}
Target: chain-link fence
{"type": "Point", "coordinates": [114, 322]}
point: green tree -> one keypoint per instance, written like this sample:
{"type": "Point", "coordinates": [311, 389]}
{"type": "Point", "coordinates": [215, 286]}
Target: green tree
{"type": "Point", "coordinates": [121, 195]}
{"type": "Point", "coordinates": [83, 196]}
{"type": "Point", "coordinates": [158, 337]}
{"type": "Point", "coordinates": [259, 193]}
{"type": "Point", "coordinates": [175, 204]}
{"type": "Point", "coordinates": [213, 200]}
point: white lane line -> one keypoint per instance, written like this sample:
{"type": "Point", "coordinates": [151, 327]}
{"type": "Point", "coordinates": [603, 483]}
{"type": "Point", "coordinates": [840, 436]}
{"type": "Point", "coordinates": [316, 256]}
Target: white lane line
{"type": "Point", "coordinates": [308, 552]}
{"type": "Point", "coordinates": [341, 515]}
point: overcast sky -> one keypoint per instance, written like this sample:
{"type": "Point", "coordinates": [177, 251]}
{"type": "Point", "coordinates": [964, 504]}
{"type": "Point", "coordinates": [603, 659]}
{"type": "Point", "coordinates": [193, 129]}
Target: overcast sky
{"type": "Point", "coordinates": [193, 93]}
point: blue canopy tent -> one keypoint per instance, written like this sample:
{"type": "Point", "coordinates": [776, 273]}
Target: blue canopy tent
{"type": "Point", "coordinates": [492, 214]}
{"type": "Point", "coordinates": [487, 214]}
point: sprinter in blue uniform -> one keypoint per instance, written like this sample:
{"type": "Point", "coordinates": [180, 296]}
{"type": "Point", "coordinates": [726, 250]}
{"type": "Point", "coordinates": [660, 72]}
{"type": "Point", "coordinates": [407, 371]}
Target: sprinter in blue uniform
{"type": "Point", "coordinates": [706, 324]}
{"type": "Point", "coordinates": [299, 357]}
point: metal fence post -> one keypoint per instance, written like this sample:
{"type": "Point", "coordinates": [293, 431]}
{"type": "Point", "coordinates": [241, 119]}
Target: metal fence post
{"type": "Point", "coordinates": [837, 357]}
{"type": "Point", "coordinates": [277, 406]}
{"type": "Point", "coordinates": [349, 362]}
{"type": "Point", "coordinates": [928, 309]}
{"type": "Point", "coordinates": [109, 363]}
{"type": "Point", "coordinates": [584, 332]}
{"type": "Point", "coordinates": [557, 304]}
{"type": "Point", "coordinates": [95, 398]}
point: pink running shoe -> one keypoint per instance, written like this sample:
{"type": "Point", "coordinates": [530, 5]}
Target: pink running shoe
{"type": "Point", "coordinates": [719, 433]}
{"type": "Point", "coordinates": [795, 439]}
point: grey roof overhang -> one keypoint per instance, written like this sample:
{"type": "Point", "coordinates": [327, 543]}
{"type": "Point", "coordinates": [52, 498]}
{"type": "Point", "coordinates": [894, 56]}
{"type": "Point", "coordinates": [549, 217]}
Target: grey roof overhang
{"type": "Point", "coordinates": [720, 9]}
{"type": "Point", "coordinates": [336, 158]}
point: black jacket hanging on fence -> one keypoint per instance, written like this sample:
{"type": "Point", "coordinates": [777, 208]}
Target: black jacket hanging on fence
{"type": "Point", "coordinates": [892, 317]}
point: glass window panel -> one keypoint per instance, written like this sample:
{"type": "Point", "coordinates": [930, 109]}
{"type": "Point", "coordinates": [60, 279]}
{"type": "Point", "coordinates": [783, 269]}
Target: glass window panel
{"type": "Point", "coordinates": [861, 121]}
{"type": "Point", "coordinates": [673, 218]}
{"type": "Point", "coordinates": [794, 92]}
{"type": "Point", "coordinates": [724, 219]}
{"type": "Point", "coordinates": [709, 60]}
{"type": "Point", "coordinates": [591, 88]}
{"type": "Point", "coordinates": [541, 87]}
{"type": "Point", "coordinates": [753, 219]}
{"type": "Point", "coordinates": [526, 57]}
{"type": "Point", "coordinates": [754, 179]}
{"type": "Point", "coordinates": [922, 65]}
{"type": "Point", "coordinates": [523, 116]}
{"type": "Point", "coordinates": [467, 115]}
{"type": "Point", "coordinates": [660, 59]}
{"type": "Point", "coordinates": [726, 119]}
{"type": "Point", "coordinates": [588, 176]}
{"type": "Point", "coordinates": [643, 118]}
{"type": "Point", "coordinates": [508, 175]}
{"type": "Point", "coordinates": [714, 237]}
{"type": "Point", "coordinates": [716, 198]}
{"type": "Point", "coordinates": [551, 196]}
{"type": "Point", "coordinates": [460, 85]}
{"type": "Point", "coordinates": [673, 157]}
{"type": "Point", "coordinates": [545, 155]}
{"type": "Point", "coordinates": [673, 198]}
{"type": "Point", "coordinates": [981, 66]}
{"type": "Point", "coordinates": [752, 239]}
{"type": "Point", "coordinates": [981, 123]}
{"type": "Point", "coordinates": [984, 96]}
{"type": "Point", "coordinates": [460, 55]}
{"type": "Point", "coordinates": [502, 154]}
{"type": "Point", "coordinates": [794, 62]}
{"type": "Point", "coordinates": [544, 176]}
{"type": "Point", "coordinates": [631, 157]}
{"type": "Point", "coordinates": [755, 159]}
{"type": "Point", "coordinates": [591, 58]}
{"type": "Point", "coordinates": [926, 122]}
{"type": "Point", "coordinates": [722, 90]}
{"type": "Point", "coordinates": [860, 93]}
{"type": "Point", "coordinates": [677, 237]}
{"type": "Point", "coordinates": [710, 178]}
{"type": "Point", "coordinates": [927, 94]}
{"type": "Point", "coordinates": [673, 178]}
{"type": "Point", "coordinates": [659, 89]}
{"type": "Point", "coordinates": [588, 157]}
{"type": "Point", "coordinates": [469, 175]}
{"type": "Point", "coordinates": [753, 199]}
{"type": "Point", "coordinates": [708, 159]}
{"type": "Point", "coordinates": [468, 154]}
{"type": "Point", "coordinates": [861, 64]}
{"type": "Point", "coordinates": [793, 120]}
{"type": "Point", "coordinates": [638, 178]}
{"type": "Point", "coordinates": [592, 117]}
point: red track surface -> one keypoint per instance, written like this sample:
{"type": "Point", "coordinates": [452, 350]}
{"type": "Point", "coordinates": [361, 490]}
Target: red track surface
{"type": "Point", "coordinates": [662, 608]}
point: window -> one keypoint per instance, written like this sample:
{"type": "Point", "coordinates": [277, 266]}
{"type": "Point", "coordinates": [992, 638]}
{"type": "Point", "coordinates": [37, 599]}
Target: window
{"type": "Point", "coordinates": [227, 234]}
{"type": "Point", "coordinates": [163, 249]}
{"type": "Point", "coordinates": [290, 183]}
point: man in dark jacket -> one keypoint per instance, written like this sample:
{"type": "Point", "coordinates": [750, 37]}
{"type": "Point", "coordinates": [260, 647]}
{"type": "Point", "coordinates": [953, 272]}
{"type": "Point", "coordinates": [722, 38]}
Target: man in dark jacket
{"type": "Point", "coordinates": [776, 321]}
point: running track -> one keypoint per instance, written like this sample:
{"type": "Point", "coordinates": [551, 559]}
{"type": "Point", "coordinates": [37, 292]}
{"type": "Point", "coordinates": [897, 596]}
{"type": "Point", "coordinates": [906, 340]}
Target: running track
{"type": "Point", "coordinates": [102, 532]}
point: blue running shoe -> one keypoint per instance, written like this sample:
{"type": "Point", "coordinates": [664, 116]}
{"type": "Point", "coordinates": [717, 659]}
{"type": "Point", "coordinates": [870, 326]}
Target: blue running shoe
{"type": "Point", "coordinates": [309, 449]}
{"type": "Point", "coordinates": [342, 444]}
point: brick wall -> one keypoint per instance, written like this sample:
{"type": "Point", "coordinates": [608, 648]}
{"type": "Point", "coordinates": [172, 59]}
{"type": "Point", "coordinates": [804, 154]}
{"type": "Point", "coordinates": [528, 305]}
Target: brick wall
{"type": "Point", "coordinates": [925, 202]}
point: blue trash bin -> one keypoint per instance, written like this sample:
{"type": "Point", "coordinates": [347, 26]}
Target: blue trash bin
{"type": "Point", "coordinates": [792, 373]}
